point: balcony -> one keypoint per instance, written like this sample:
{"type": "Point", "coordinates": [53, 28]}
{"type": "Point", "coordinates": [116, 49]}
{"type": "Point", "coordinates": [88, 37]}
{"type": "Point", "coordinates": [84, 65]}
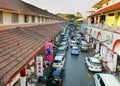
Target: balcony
{"type": "Point", "coordinates": [106, 27]}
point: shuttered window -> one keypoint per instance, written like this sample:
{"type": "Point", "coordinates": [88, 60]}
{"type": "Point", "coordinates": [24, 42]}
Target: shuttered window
{"type": "Point", "coordinates": [33, 19]}
{"type": "Point", "coordinates": [26, 18]}
{"type": "Point", "coordinates": [14, 18]}
{"type": "Point", "coordinates": [1, 18]}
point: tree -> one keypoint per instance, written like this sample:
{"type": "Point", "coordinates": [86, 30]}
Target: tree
{"type": "Point", "coordinates": [70, 16]}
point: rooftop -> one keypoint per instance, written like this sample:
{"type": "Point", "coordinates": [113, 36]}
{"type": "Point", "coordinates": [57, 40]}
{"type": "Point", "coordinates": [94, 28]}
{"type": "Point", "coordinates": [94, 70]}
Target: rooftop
{"type": "Point", "coordinates": [21, 44]}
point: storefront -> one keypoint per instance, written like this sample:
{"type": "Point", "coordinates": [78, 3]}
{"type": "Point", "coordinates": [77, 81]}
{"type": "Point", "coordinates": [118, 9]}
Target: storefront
{"type": "Point", "coordinates": [109, 59]}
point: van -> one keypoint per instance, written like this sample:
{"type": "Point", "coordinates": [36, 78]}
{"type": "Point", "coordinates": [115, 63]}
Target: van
{"type": "Point", "coordinates": [58, 61]}
{"type": "Point", "coordinates": [102, 79]}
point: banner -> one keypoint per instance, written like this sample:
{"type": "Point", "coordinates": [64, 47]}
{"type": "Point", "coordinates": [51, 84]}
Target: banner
{"type": "Point", "coordinates": [39, 65]}
{"type": "Point", "coordinates": [48, 51]}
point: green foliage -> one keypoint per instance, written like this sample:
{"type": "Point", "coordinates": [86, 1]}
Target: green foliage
{"type": "Point", "coordinates": [71, 16]}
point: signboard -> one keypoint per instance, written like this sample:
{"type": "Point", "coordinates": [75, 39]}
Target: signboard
{"type": "Point", "coordinates": [39, 65]}
{"type": "Point", "coordinates": [48, 51]}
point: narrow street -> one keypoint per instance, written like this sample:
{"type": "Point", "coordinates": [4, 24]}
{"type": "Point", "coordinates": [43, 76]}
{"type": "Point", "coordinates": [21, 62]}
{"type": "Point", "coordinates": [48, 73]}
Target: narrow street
{"type": "Point", "coordinates": [76, 73]}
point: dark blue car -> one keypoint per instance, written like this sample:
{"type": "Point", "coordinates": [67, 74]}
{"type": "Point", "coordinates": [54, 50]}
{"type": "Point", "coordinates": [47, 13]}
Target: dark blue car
{"type": "Point", "coordinates": [56, 77]}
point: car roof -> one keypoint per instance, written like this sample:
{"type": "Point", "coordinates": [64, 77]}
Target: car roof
{"type": "Point", "coordinates": [58, 57]}
{"type": "Point", "coordinates": [110, 79]}
{"type": "Point", "coordinates": [61, 47]}
{"type": "Point", "coordinates": [56, 72]}
{"type": "Point", "coordinates": [97, 55]}
{"type": "Point", "coordinates": [93, 59]}
{"type": "Point", "coordinates": [74, 47]}
{"type": "Point", "coordinates": [84, 42]}
{"type": "Point", "coordinates": [73, 41]}
{"type": "Point", "coordinates": [64, 42]}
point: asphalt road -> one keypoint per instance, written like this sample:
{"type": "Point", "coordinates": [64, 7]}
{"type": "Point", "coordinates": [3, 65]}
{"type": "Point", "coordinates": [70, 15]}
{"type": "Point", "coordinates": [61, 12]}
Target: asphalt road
{"type": "Point", "coordinates": [76, 73]}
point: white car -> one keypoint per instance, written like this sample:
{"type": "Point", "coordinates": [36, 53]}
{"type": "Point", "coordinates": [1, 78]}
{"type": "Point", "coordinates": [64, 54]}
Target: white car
{"type": "Point", "coordinates": [73, 43]}
{"type": "Point", "coordinates": [93, 64]}
{"type": "Point", "coordinates": [58, 61]}
{"type": "Point", "coordinates": [102, 79]}
{"type": "Point", "coordinates": [84, 46]}
{"type": "Point", "coordinates": [61, 51]}
{"type": "Point", "coordinates": [75, 50]}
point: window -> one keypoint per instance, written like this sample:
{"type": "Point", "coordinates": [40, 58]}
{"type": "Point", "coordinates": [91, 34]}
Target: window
{"type": "Point", "coordinates": [26, 18]}
{"type": "Point", "coordinates": [38, 18]}
{"type": "Point", "coordinates": [1, 17]}
{"type": "Point", "coordinates": [42, 19]}
{"type": "Point", "coordinates": [14, 18]}
{"type": "Point", "coordinates": [101, 82]}
{"type": "Point", "coordinates": [33, 18]}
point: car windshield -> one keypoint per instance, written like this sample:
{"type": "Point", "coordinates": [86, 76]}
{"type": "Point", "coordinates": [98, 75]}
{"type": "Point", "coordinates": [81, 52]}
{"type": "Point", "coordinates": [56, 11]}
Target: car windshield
{"type": "Point", "coordinates": [73, 42]}
{"type": "Point", "coordinates": [75, 48]}
{"type": "Point", "coordinates": [56, 74]}
{"type": "Point", "coordinates": [61, 51]}
{"type": "Point", "coordinates": [84, 45]}
{"type": "Point", "coordinates": [57, 61]}
{"type": "Point", "coordinates": [95, 64]}
{"type": "Point", "coordinates": [56, 77]}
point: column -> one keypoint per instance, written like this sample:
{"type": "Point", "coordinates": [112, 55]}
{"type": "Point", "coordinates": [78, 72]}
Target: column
{"type": "Point", "coordinates": [116, 19]}
{"type": "Point", "coordinates": [106, 26]}
{"type": "Point", "coordinates": [23, 77]}
{"type": "Point", "coordinates": [94, 20]}
{"type": "Point", "coordinates": [98, 21]}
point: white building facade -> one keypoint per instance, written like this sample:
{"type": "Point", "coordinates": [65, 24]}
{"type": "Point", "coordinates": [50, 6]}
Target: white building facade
{"type": "Point", "coordinates": [104, 27]}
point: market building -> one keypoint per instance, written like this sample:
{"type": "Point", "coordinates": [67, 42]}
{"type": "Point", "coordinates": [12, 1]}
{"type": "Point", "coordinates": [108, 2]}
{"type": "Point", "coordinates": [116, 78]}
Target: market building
{"type": "Point", "coordinates": [23, 30]}
{"type": "Point", "coordinates": [104, 27]}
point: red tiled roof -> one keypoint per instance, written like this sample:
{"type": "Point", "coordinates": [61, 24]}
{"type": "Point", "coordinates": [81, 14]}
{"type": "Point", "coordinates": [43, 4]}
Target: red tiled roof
{"type": "Point", "coordinates": [108, 9]}
{"type": "Point", "coordinates": [19, 45]}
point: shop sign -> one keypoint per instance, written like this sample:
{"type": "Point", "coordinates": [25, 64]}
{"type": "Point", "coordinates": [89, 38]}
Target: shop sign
{"type": "Point", "coordinates": [48, 51]}
{"type": "Point", "coordinates": [39, 65]}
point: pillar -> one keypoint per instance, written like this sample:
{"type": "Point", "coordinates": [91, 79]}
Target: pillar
{"type": "Point", "coordinates": [98, 21]}
{"type": "Point", "coordinates": [23, 77]}
{"type": "Point", "coordinates": [116, 19]}
{"type": "Point", "coordinates": [95, 20]}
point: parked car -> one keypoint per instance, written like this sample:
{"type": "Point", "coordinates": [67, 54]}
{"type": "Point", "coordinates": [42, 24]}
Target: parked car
{"type": "Point", "coordinates": [101, 79]}
{"type": "Point", "coordinates": [55, 77]}
{"type": "Point", "coordinates": [75, 50]}
{"type": "Point", "coordinates": [73, 43]}
{"type": "Point", "coordinates": [55, 50]}
{"type": "Point", "coordinates": [93, 64]}
{"type": "Point", "coordinates": [84, 46]}
{"type": "Point", "coordinates": [64, 43]}
{"type": "Point", "coordinates": [58, 61]}
{"type": "Point", "coordinates": [61, 50]}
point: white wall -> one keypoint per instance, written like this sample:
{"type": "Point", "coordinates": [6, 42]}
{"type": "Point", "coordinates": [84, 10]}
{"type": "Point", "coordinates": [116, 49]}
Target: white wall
{"type": "Point", "coordinates": [21, 19]}
{"type": "Point", "coordinates": [6, 18]}
{"type": "Point", "coordinates": [104, 34]}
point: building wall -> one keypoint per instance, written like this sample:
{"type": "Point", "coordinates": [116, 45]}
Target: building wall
{"type": "Point", "coordinates": [118, 21]}
{"type": "Point", "coordinates": [6, 18]}
{"type": "Point", "coordinates": [21, 19]}
{"type": "Point", "coordinates": [104, 36]}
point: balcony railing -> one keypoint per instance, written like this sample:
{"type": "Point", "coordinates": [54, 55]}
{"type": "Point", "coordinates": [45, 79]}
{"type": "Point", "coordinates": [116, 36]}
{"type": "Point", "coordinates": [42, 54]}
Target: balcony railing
{"type": "Point", "coordinates": [107, 27]}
